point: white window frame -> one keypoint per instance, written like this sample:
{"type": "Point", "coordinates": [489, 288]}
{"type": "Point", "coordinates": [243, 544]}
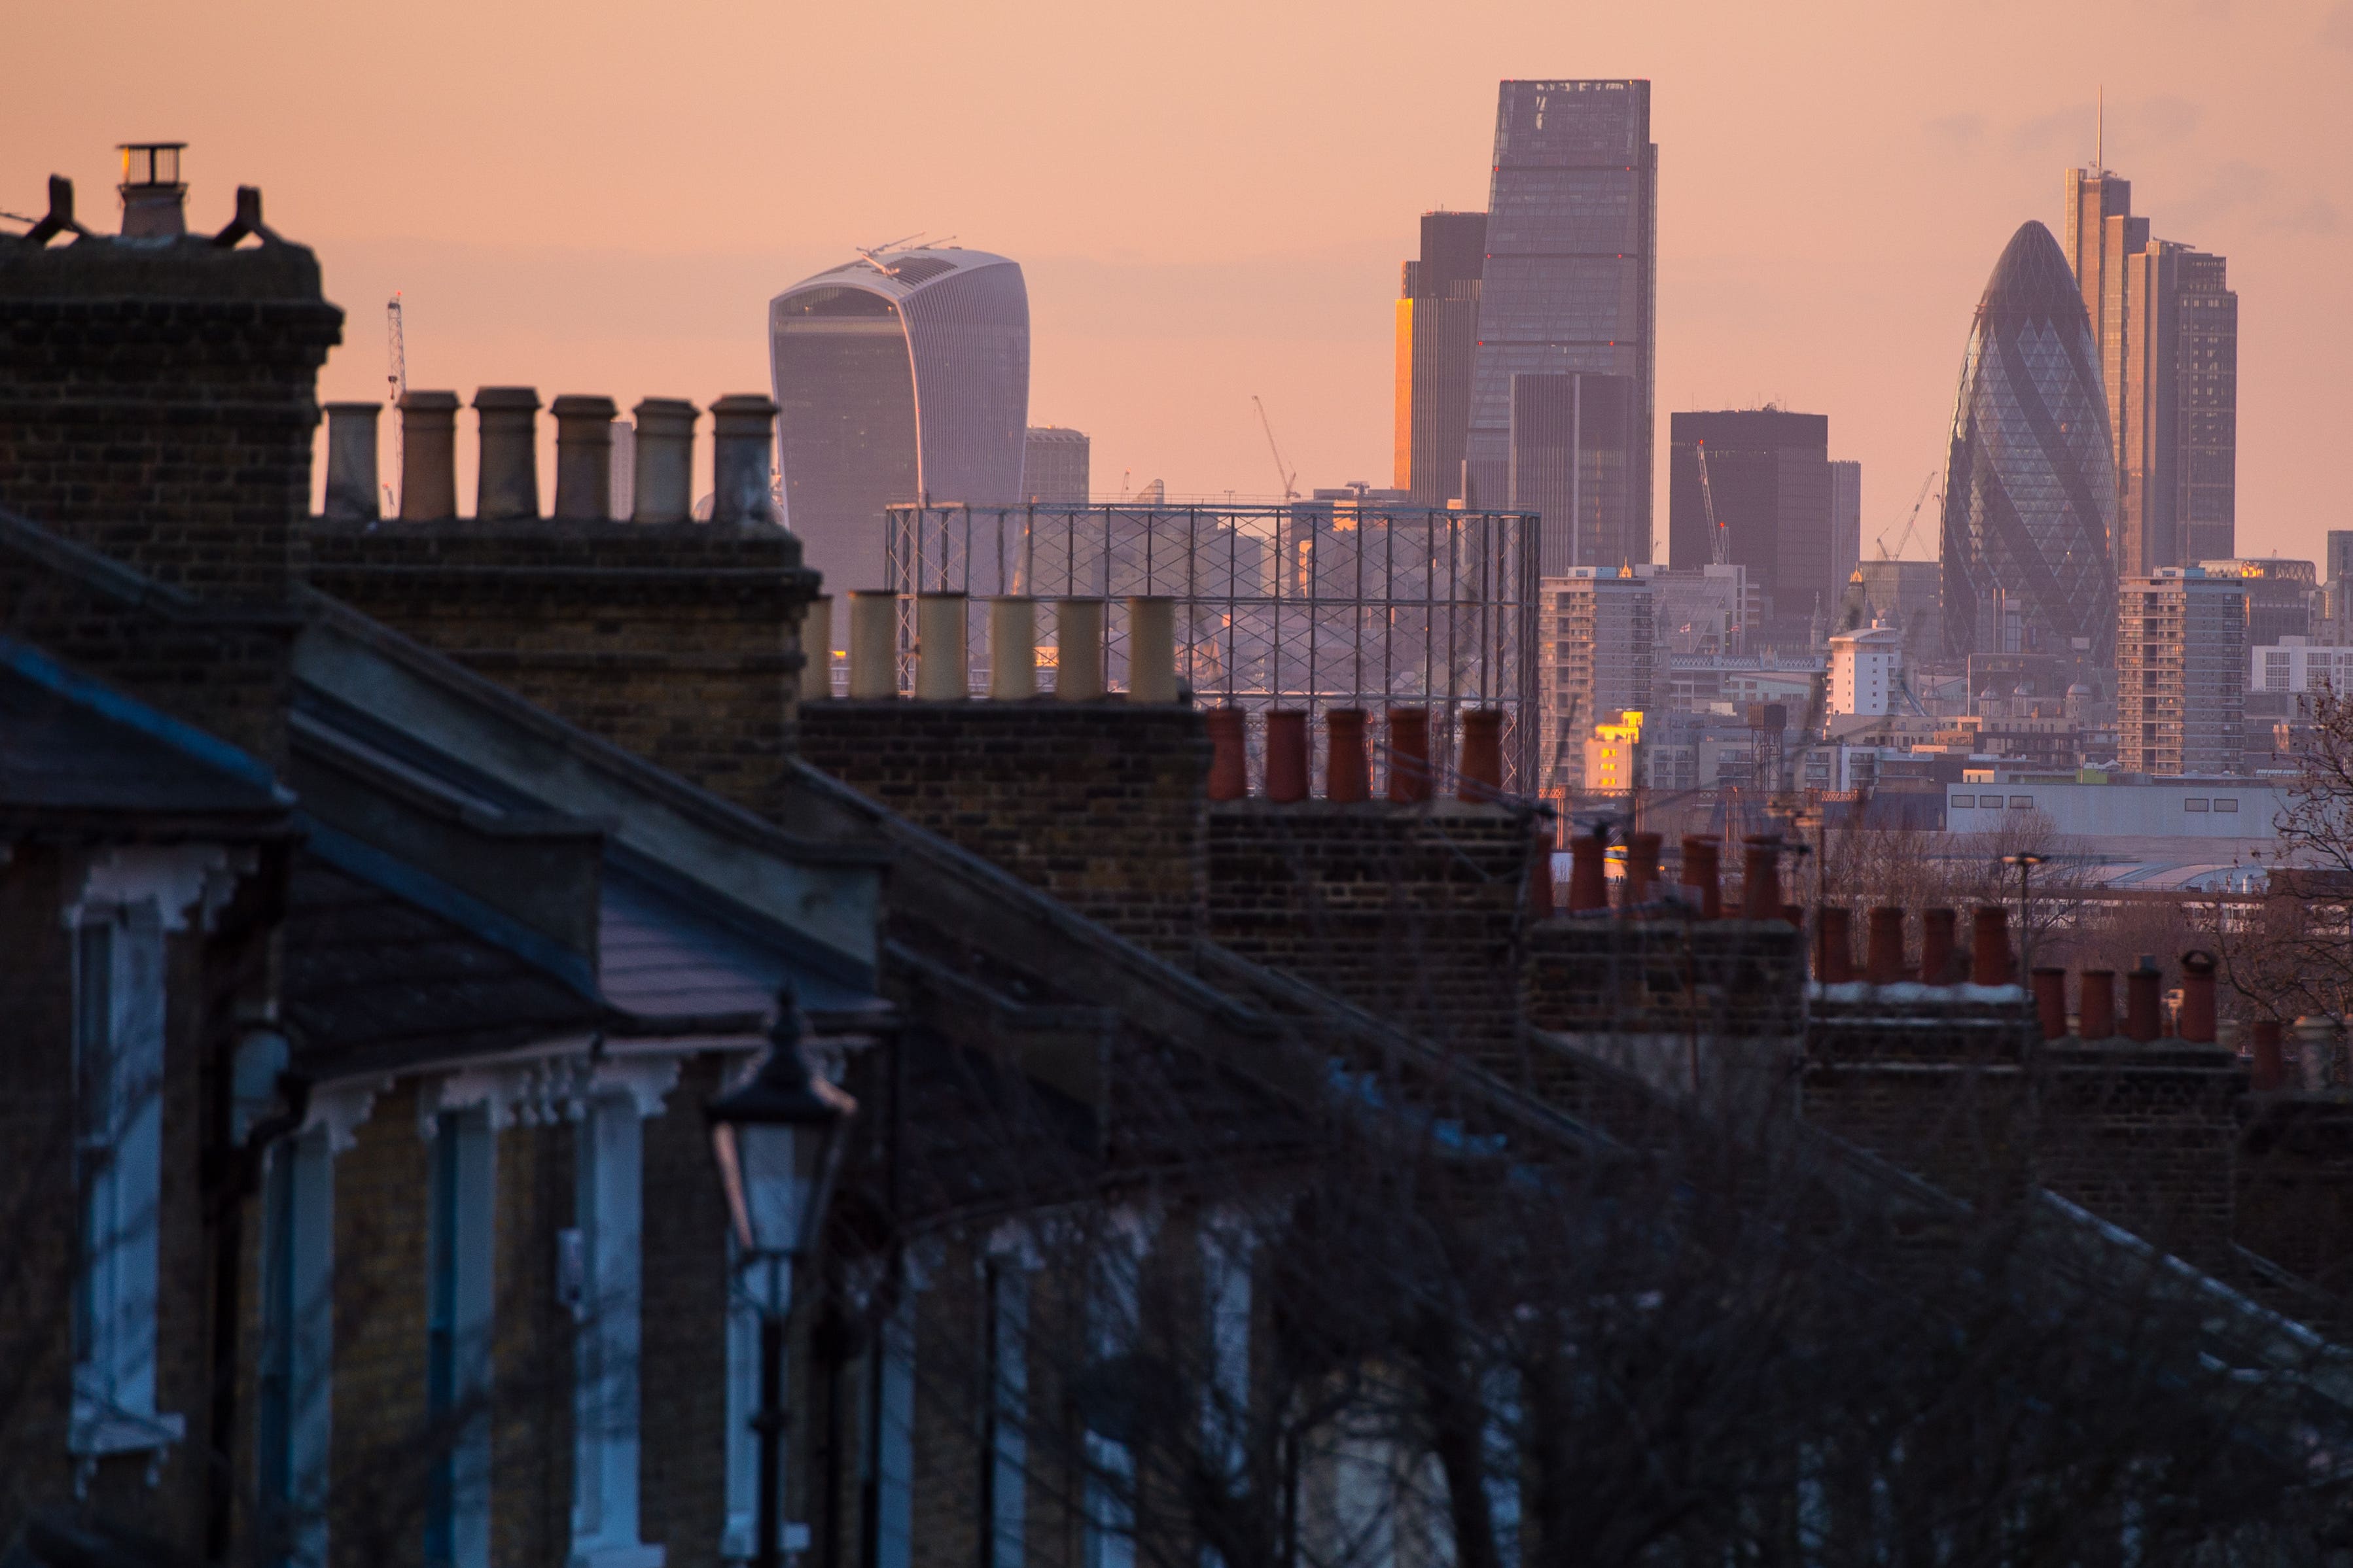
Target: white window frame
{"type": "Point", "coordinates": [299, 1332]}
{"type": "Point", "coordinates": [470, 1308]}
{"type": "Point", "coordinates": [609, 1193]}
{"type": "Point", "coordinates": [1013, 1259]}
{"type": "Point", "coordinates": [139, 895]}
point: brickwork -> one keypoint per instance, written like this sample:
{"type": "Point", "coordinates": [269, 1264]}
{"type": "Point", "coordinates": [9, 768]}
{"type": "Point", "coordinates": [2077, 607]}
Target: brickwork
{"type": "Point", "coordinates": [1600, 972]}
{"type": "Point", "coordinates": [2145, 1136]}
{"type": "Point", "coordinates": [2294, 1186]}
{"type": "Point", "coordinates": [156, 402]}
{"type": "Point", "coordinates": [1412, 912]}
{"type": "Point", "coordinates": [379, 1455]}
{"type": "Point", "coordinates": [680, 643]}
{"type": "Point", "coordinates": [1099, 804]}
{"type": "Point", "coordinates": [1930, 1080]}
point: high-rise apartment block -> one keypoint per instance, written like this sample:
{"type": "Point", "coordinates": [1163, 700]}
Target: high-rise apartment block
{"type": "Point", "coordinates": [2181, 671]}
{"type": "Point", "coordinates": [2166, 326]}
{"type": "Point", "coordinates": [1437, 339]}
{"type": "Point", "coordinates": [1594, 628]}
{"type": "Point", "coordinates": [1055, 463]}
{"type": "Point", "coordinates": [1570, 278]}
{"type": "Point", "coordinates": [1571, 456]}
{"type": "Point", "coordinates": [1770, 475]}
{"type": "Point", "coordinates": [2337, 599]}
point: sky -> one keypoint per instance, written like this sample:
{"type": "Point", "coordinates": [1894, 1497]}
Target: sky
{"type": "Point", "coordinates": [1210, 200]}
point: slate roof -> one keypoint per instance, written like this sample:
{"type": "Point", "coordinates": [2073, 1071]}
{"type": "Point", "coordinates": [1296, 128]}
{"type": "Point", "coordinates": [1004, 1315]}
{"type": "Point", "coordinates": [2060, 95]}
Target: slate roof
{"type": "Point", "coordinates": [76, 755]}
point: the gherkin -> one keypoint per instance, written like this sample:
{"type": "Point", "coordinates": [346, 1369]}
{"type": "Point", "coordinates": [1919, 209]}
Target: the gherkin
{"type": "Point", "coordinates": [2031, 484]}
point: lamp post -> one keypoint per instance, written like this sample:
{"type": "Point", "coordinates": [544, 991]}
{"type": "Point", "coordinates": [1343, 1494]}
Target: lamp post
{"type": "Point", "coordinates": [777, 1141]}
{"type": "Point", "coordinates": [2025, 864]}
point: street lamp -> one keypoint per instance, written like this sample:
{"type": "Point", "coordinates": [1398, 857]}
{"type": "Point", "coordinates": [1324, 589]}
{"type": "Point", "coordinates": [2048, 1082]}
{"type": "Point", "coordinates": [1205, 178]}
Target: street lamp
{"type": "Point", "coordinates": [778, 1142]}
{"type": "Point", "coordinates": [2025, 864]}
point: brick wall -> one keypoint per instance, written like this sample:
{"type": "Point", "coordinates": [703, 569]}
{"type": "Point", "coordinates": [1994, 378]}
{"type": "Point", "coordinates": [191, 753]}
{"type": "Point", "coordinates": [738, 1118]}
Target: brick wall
{"type": "Point", "coordinates": [2294, 1186]}
{"type": "Point", "coordinates": [1412, 912]}
{"type": "Point", "coordinates": [680, 643]}
{"type": "Point", "coordinates": [2145, 1136]}
{"type": "Point", "coordinates": [1100, 803]}
{"type": "Point", "coordinates": [156, 402]}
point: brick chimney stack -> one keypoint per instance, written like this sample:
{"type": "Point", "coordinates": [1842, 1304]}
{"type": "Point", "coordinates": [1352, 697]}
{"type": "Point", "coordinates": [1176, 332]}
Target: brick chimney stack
{"type": "Point", "coordinates": [158, 389]}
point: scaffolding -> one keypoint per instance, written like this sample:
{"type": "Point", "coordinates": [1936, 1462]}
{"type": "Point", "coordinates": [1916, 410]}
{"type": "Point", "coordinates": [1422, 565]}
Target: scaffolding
{"type": "Point", "coordinates": [1314, 605]}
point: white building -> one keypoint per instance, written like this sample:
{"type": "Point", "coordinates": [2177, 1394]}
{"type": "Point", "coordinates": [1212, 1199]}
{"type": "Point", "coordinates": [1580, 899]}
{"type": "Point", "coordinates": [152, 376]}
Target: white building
{"type": "Point", "coordinates": [2295, 664]}
{"type": "Point", "coordinates": [1863, 666]}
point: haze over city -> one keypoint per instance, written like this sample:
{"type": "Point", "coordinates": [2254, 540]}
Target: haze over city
{"type": "Point", "coordinates": [1212, 203]}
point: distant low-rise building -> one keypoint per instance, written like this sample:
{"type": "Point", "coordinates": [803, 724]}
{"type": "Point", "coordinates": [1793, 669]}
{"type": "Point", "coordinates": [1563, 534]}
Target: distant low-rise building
{"type": "Point", "coordinates": [1863, 669]}
{"type": "Point", "coordinates": [1595, 630]}
{"type": "Point", "coordinates": [2297, 665]}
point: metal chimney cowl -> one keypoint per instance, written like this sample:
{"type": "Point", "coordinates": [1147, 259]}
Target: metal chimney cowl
{"type": "Point", "coordinates": [155, 202]}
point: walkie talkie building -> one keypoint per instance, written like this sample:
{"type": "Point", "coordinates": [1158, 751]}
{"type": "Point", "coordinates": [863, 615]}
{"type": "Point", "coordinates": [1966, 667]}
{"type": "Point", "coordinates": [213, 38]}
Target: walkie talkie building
{"type": "Point", "coordinates": [2031, 483]}
{"type": "Point", "coordinates": [900, 377]}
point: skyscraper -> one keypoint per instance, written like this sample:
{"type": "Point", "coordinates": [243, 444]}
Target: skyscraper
{"type": "Point", "coordinates": [1769, 471]}
{"type": "Point", "coordinates": [1054, 464]}
{"type": "Point", "coordinates": [2030, 477]}
{"type": "Point", "coordinates": [1571, 270]}
{"type": "Point", "coordinates": [1569, 457]}
{"type": "Point", "coordinates": [1846, 519]}
{"type": "Point", "coordinates": [899, 376]}
{"type": "Point", "coordinates": [1436, 337]}
{"type": "Point", "coordinates": [2181, 671]}
{"type": "Point", "coordinates": [2167, 328]}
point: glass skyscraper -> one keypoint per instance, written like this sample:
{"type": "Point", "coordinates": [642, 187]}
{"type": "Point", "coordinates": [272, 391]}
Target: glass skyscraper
{"type": "Point", "coordinates": [2030, 483]}
{"type": "Point", "coordinates": [1572, 273]}
{"type": "Point", "coordinates": [900, 377]}
{"type": "Point", "coordinates": [1437, 339]}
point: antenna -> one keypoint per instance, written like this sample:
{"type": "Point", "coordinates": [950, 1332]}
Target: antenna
{"type": "Point", "coordinates": [2100, 135]}
{"type": "Point", "coordinates": [395, 342]}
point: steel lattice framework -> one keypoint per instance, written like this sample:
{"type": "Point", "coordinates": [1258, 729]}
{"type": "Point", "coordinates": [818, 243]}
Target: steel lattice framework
{"type": "Point", "coordinates": [1309, 604]}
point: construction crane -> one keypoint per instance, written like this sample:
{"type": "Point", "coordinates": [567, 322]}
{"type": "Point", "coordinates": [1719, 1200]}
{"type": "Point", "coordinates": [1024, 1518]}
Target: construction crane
{"type": "Point", "coordinates": [395, 346]}
{"type": "Point", "coordinates": [1910, 522]}
{"type": "Point", "coordinates": [1720, 545]}
{"type": "Point", "coordinates": [1289, 476]}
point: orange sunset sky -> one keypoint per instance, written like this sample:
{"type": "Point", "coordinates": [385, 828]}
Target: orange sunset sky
{"type": "Point", "coordinates": [1211, 199]}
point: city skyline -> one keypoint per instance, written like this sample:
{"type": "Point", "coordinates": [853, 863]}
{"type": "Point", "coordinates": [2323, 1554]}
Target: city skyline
{"type": "Point", "coordinates": [1257, 255]}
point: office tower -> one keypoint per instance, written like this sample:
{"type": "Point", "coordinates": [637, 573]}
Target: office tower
{"type": "Point", "coordinates": [2029, 478]}
{"type": "Point", "coordinates": [1846, 519]}
{"type": "Point", "coordinates": [2279, 595]}
{"type": "Point", "coordinates": [1594, 627]}
{"type": "Point", "coordinates": [2181, 671]}
{"type": "Point", "coordinates": [1571, 270]}
{"type": "Point", "coordinates": [1863, 667]}
{"type": "Point", "coordinates": [2337, 597]}
{"type": "Point", "coordinates": [899, 376]}
{"type": "Point", "coordinates": [1904, 595]}
{"type": "Point", "coordinates": [2206, 383]}
{"type": "Point", "coordinates": [2166, 325]}
{"type": "Point", "coordinates": [1437, 338]}
{"type": "Point", "coordinates": [1054, 464]}
{"type": "Point", "coordinates": [1570, 455]}
{"type": "Point", "coordinates": [1769, 472]}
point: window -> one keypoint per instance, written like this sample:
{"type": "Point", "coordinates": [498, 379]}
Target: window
{"type": "Point", "coordinates": [117, 1036]}
{"type": "Point", "coordinates": [607, 1206]}
{"type": "Point", "coordinates": [297, 1356]}
{"type": "Point", "coordinates": [2225, 803]}
{"type": "Point", "coordinates": [2021, 802]}
{"type": "Point", "coordinates": [458, 1339]}
{"type": "Point", "coordinates": [2193, 803]}
{"type": "Point", "coordinates": [1964, 802]}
